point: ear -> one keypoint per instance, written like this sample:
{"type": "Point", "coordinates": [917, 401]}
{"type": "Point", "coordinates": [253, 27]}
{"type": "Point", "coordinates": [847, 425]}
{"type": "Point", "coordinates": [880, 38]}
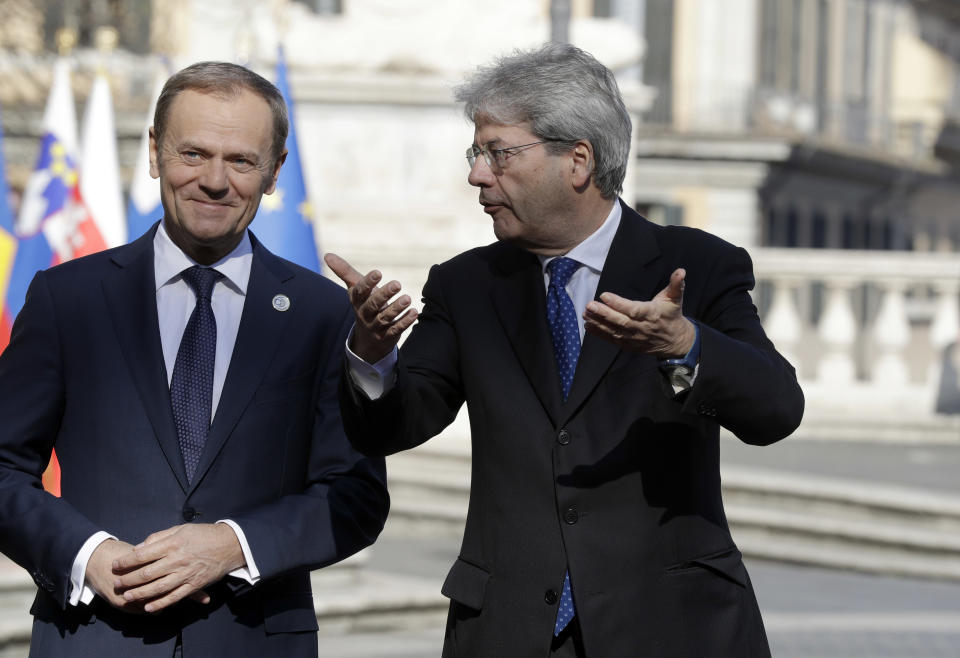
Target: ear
{"type": "Point", "coordinates": [581, 161]}
{"type": "Point", "coordinates": [276, 173]}
{"type": "Point", "coordinates": [154, 157]}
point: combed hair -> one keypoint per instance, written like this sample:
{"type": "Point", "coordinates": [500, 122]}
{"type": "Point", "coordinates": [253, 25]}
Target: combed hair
{"type": "Point", "coordinates": [227, 80]}
{"type": "Point", "coordinates": [565, 95]}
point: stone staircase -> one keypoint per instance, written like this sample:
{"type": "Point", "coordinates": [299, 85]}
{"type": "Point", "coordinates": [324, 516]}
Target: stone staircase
{"type": "Point", "coordinates": [348, 597]}
{"type": "Point", "coordinates": [773, 515]}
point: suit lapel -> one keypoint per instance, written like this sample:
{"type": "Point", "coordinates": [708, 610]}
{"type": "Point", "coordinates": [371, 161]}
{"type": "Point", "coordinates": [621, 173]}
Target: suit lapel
{"type": "Point", "coordinates": [131, 295]}
{"type": "Point", "coordinates": [630, 272]}
{"type": "Point", "coordinates": [261, 327]}
{"type": "Point", "coordinates": [520, 303]}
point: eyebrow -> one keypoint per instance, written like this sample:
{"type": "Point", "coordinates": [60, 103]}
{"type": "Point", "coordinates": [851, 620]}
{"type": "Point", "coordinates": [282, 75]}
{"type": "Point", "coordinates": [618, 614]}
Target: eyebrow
{"type": "Point", "coordinates": [233, 155]}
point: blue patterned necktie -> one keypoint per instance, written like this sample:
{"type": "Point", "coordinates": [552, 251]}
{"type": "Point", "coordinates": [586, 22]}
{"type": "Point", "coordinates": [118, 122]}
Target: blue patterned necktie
{"type": "Point", "coordinates": [565, 334]}
{"type": "Point", "coordinates": [562, 318]}
{"type": "Point", "coordinates": [191, 387]}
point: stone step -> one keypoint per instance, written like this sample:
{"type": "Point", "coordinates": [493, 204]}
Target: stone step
{"type": "Point", "coordinates": [780, 516]}
{"type": "Point", "coordinates": [347, 599]}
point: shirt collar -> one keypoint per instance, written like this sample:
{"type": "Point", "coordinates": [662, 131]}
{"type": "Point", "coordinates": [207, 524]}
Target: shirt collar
{"type": "Point", "coordinates": [593, 251]}
{"type": "Point", "coordinates": [169, 261]}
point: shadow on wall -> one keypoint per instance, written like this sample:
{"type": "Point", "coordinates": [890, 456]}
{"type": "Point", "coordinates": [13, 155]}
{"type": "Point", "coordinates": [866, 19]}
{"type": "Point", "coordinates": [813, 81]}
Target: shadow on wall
{"type": "Point", "coordinates": [948, 393]}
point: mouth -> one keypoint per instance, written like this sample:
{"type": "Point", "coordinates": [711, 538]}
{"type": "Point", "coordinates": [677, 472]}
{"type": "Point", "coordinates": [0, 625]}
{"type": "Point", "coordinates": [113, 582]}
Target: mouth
{"type": "Point", "coordinates": [490, 207]}
{"type": "Point", "coordinates": [211, 206]}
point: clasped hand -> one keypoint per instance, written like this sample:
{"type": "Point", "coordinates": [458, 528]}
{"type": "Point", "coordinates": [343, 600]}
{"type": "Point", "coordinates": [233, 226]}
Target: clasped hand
{"type": "Point", "coordinates": [165, 568]}
{"type": "Point", "coordinates": [656, 327]}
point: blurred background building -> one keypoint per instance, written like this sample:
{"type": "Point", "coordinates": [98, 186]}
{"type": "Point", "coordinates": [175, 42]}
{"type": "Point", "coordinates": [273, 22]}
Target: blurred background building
{"type": "Point", "coordinates": [821, 135]}
{"type": "Point", "coordinates": [826, 128]}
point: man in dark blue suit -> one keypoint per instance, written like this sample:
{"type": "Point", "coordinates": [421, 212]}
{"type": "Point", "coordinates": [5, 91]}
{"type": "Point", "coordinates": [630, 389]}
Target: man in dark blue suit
{"type": "Point", "coordinates": [188, 383]}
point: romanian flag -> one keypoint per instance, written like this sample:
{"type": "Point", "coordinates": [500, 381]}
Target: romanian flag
{"type": "Point", "coordinates": [8, 252]}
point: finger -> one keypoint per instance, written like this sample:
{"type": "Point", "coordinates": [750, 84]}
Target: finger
{"type": "Point", "coordinates": [616, 311]}
{"type": "Point", "coordinates": [360, 291]}
{"type": "Point", "coordinates": [674, 289]}
{"type": "Point", "coordinates": [173, 597]}
{"type": "Point", "coordinates": [141, 556]}
{"type": "Point", "coordinates": [401, 324]}
{"type": "Point", "coordinates": [145, 574]}
{"type": "Point", "coordinates": [157, 536]}
{"type": "Point", "coordinates": [342, 269]}
{"type": "Point", "coordinates": [390, 313]}
{"type": "Point", "coordinates": [378, 300]}
{"type": "Point", "coordinates": [154, 589]}
{"type": "Point", "coordinates": [200, 596]}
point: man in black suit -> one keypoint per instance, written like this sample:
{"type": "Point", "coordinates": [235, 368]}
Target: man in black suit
{"type": "Point", "coordinates": [598, 355]}
{"type": "Point", "coordinates": [188, 382]}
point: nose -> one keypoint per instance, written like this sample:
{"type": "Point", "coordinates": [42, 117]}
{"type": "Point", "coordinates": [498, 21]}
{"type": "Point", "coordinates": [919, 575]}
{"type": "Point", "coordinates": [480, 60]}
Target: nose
{"type": "Point", "coordinates": [213, 178]}
{"type": "Point", "coordinates": [480, 174]}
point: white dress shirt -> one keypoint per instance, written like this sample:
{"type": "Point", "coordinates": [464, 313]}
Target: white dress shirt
{"type": "Point", "coordinates": [175, 303]}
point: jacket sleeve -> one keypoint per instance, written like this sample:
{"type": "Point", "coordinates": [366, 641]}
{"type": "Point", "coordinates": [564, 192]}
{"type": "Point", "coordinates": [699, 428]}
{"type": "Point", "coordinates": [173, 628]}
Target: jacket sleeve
{"type": "Point", "coordinates": [428, 392]}
{"type": "Point", "coordinates": [742, 381]}
{"type": "Point", "coordinates": [38, 531]}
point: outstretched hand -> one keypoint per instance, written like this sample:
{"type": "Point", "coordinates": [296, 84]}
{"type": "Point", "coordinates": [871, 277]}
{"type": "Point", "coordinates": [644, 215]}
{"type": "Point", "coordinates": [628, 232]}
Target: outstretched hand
{"type": "Point", "coordinates": [380, 323]}
{"type": "Point", "coordinates": [656, 327]}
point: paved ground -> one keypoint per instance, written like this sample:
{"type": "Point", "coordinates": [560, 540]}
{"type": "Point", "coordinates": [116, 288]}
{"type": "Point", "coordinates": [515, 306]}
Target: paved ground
{"type": "Point", "coordinates": [934, 467]}
{"type": "Point", "coordinates": [809, 612]}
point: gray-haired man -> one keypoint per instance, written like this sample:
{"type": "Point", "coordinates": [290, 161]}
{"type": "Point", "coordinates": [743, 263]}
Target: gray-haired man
{"type": "Point", "coordinates": [598, 355]}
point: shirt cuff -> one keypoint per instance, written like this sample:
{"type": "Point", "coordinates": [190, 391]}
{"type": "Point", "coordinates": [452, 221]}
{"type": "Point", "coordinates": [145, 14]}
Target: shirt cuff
{"type": "Point", "coordinates": [80, 591]}
{"type": "Point", "coordinates": [248, 572]}
{"type": "Point", "coordinates": [374, 379]}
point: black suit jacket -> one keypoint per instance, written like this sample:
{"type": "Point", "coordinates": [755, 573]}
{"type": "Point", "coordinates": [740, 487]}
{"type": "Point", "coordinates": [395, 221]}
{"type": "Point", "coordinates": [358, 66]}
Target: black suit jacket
{"type": "Point", "coordinates": [620, 482]}
{"type": "Point", "coordinates": [84, 373]}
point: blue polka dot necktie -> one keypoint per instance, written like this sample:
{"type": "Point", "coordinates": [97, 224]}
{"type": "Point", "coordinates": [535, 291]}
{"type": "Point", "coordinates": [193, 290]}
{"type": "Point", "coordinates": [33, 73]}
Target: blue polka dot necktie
{"type": "Point", "coordinates": [565, 334]}
{"type": "Point", "coordinates": [191, 387]}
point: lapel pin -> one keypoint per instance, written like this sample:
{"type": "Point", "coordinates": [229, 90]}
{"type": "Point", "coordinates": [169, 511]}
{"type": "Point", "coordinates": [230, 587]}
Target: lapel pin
{"type": "Point", "coordinates": [281, 302]}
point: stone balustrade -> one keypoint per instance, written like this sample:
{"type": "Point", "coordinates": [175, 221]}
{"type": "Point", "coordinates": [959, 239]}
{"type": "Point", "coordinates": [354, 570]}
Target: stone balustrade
{"type": "Point", "coordinates": [867, 330]}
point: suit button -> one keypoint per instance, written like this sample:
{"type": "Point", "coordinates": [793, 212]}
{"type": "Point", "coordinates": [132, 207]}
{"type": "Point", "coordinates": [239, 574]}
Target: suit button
{"type": "Point", "coordinates": [706, 410]}
{"type": "Point", "coordinates": [563, 437]}
{"type": "Point", "coordinates": [190, 514]}
{"type": "Point", "coordinates": [571, 516]}
{"type": "Point", "coordinates": [550, 597]}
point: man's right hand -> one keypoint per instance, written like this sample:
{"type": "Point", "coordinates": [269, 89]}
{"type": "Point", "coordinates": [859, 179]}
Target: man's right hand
{"type": "Point", "coordinates": [380, 323]}
{"type": "Point", "coordinates": [101, 577]}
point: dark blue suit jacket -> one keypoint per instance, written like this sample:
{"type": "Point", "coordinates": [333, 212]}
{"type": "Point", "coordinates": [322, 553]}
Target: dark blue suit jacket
{"type": "Point", "coordinates": [84, 374]}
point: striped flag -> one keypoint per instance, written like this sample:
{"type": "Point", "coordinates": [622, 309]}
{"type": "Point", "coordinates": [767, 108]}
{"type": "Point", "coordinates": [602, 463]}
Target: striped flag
{"type": "Point", "coordinates": [54, 224]}
{"type": "Point", "coordinates": [284, 222]}
{"type": "Point", "coordinates": [8, 251]}
{"type": "Point", "coordinates": [99, 166]}
{"type": "Point", "coordinates": [144, 207]}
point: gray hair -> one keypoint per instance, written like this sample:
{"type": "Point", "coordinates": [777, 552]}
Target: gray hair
{"type": "Point", "coordinates": [228, 80]}
{"type": "Point", "coordinates": [565, 95]}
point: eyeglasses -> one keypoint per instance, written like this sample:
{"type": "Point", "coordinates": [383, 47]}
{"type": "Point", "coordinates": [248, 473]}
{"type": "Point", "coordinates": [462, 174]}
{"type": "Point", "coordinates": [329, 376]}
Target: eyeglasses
{"type": "Point", "coordinates": [498, 157]}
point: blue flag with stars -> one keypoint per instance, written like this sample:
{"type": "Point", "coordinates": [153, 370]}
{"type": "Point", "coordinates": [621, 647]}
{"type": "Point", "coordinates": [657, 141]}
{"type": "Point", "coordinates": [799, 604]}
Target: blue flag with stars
{"type": "Point", "coordinates": [284, 221]}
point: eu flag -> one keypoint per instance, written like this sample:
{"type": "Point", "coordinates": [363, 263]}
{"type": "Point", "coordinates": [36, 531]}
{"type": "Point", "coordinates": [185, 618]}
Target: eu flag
{"type": "Point", "coordinates": [283, 222]}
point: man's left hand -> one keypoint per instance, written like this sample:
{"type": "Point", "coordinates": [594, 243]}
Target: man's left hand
{"type": "Point", "coordinates": [656, 327]}
{"type": "Point", "coordinates": [178, 562]}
